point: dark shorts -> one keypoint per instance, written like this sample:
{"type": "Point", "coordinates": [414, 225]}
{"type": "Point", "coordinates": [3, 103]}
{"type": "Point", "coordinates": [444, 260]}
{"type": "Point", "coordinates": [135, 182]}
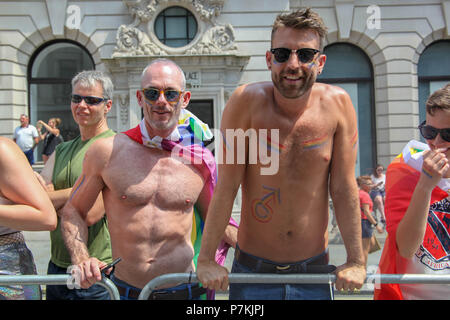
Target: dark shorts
{"type": "Point", "coordinates": [366, 228]}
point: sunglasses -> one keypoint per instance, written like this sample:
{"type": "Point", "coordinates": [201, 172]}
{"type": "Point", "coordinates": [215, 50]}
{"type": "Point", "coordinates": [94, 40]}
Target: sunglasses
{"type": "Point", "coordinates": [90, 100]}
{"type": "Point", "coordinates": [429, 132]}
{"type": "Point", "coordinates": [305, 55]}
{"type": "Point", "coordinates": [171, 95]}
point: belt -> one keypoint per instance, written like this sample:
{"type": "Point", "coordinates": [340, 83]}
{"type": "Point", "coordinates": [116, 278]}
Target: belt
{"type": "Point", "coordinates": [196, 291]}
{"type": "Point", "coordinates": [10, 238]}
{"type": "Point", "coordinates": [318, 265]}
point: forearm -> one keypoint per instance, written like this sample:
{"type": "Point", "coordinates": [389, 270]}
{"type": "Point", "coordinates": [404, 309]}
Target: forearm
{"type": "Point", "coordinates": [348, 218]}
{"type": "Point", "coordinates": [230, 235]}
{"type": "Point", "coordinates": [75, 234]}
{"type": "Point", "coordinates": [59, 198]}
{"type": "Point", "coordinates": [411, 229]}
{"type": "Point", "coordinates": [216, 222]}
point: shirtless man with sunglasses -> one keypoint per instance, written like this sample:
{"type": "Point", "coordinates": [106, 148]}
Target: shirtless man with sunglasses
{"type": "Point", "coordinates": [149, 194]}
{"type": "Point", "coordinates": [286, 232]}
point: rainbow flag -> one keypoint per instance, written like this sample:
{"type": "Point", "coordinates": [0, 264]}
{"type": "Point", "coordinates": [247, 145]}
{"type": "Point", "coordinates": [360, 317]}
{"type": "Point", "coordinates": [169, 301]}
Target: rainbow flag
{"type": "Point", "coordinates": [402, 176]}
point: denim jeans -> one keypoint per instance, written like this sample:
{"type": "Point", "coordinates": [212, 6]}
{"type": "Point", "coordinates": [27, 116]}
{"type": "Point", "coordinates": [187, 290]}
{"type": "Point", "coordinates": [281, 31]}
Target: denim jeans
{"type": "Point", "coordinates": [123, 284]}
{"type": "Point", "coordinates": [244, 291]}
{"type": "Point", "coordinates": [62, 292]}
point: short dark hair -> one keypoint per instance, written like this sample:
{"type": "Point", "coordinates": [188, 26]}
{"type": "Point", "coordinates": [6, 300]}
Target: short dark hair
{"type": "Point", "coordinates": [301, 19]}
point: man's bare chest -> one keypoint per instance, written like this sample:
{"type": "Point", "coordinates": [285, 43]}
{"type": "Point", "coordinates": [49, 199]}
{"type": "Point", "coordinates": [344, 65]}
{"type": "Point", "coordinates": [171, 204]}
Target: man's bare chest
{"type": "Point", "coordinates": [152, 176]}
{"type": "Point", "coordinates": [301, 147]}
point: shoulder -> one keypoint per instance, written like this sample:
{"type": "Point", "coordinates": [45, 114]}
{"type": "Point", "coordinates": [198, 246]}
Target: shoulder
{"type": "Point", "coordinates": [7, 145]}
{"type": "Point", "coordinates": [332, 95]}
{"type": "Point", "coordinates": [246, 99]}
{"type": "Point", "coordinates": [99, 153]}
{"type": "Point", "coordinates": [9, 151]}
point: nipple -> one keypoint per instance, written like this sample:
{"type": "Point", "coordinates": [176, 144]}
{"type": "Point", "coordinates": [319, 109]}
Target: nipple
{"type": "Point", "coordinates": [123, 197]}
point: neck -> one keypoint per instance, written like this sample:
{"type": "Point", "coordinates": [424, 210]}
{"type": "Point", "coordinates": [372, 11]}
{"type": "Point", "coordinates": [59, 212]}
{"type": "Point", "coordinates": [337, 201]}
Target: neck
{"type": "Point", "coordinates": [152, 132]}
{"type": "Point", "coordinates": [88, 132]}
{"type": "Point", "coordinates": [294, 107]}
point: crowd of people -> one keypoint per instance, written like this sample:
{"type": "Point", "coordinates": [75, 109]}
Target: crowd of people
{"type": "Point", "coordinates": [153, 196]}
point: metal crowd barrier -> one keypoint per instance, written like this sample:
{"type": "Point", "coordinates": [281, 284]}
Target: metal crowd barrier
{"type": "Point", "coordinates": [233, 278]}
{"type": "Point", "coordinates": [293, 278]}
{"type": "Point", "coordinates": [55, 280]}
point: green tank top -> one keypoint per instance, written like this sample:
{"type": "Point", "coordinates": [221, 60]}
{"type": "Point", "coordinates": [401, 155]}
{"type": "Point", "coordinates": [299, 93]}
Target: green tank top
{"type": "Point", "coordinates": [68, 166]}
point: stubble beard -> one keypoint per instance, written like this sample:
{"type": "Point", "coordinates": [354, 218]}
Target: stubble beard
{"type": "Point", "coordinates": [294, 91]}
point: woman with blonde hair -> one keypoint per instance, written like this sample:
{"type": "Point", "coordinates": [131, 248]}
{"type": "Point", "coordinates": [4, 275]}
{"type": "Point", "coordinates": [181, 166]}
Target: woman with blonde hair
{"type": "Point", "coordinates": [51, 137]}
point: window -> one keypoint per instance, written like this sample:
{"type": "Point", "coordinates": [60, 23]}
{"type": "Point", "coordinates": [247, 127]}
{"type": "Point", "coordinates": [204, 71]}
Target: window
{"type": "Point", "coordinates": [349, 67]}
{"type": "Point", "coordinates": [433, 71]}
{"type": "Point", "coordinates": [49, 78]}
{"type": "Point", "coordinates": [175, 27]}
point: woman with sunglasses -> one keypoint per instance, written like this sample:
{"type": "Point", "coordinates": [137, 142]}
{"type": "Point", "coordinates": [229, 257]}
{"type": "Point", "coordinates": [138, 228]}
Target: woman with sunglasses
{"type": "Point", "coordinates": [418, 208]}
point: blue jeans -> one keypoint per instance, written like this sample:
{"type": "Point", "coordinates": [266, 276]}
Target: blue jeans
{"type": "Point", "coordinates": [62, 292]}
{"type": "Point", "coordinates": [244, 291]}
{"type": "Point", "coordinates": [30, 156]}
{"type": "Point", "coordinates": [128, 287]}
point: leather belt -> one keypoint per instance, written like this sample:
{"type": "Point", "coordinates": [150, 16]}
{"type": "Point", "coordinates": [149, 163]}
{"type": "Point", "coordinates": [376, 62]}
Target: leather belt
{"type": "Point", "coordinates": [196, 291]}
{"type": "Point", "coordinates": [318, 265]}
{"type": "Point", "coordinates": [10, 238]}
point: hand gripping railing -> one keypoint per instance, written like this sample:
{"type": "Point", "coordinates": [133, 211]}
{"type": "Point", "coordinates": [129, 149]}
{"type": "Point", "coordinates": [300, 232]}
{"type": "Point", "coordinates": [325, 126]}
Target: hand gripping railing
{"type": "Point", "coordinates": [293, 278]}
{"type": "Point", "coordinates": [55, 280]}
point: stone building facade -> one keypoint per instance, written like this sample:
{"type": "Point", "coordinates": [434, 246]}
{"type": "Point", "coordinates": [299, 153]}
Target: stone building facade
{"type": "Point", "coordinates": [389, 55]}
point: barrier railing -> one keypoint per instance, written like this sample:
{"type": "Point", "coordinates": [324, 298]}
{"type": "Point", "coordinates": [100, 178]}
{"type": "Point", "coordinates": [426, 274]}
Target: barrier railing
{"type": "Point", "coordinates": [293, 278]}
{"type": "Point", "coordinates": [55, 280]}
{"type": "Point", "coordinates": [233, 278]}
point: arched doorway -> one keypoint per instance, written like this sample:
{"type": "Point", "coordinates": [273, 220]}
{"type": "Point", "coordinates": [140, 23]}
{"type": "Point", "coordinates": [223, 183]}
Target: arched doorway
{"type": "Point", "coordinates": [50, 72]}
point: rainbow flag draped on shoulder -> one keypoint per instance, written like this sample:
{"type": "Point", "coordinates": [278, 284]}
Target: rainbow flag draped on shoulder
{"type": "Point", "coordinates": [402, 176]}
{"type": "Point", "coordinates": [187, 143]}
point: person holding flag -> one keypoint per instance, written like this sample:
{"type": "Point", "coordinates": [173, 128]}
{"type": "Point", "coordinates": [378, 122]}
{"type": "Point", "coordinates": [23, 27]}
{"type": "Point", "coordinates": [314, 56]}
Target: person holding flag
{"type": "Point", "coordinates": [418, 208]}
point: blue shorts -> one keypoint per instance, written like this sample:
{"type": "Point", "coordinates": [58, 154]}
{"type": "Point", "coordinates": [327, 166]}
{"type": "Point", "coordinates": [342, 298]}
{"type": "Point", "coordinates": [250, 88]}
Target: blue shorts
{"type": "Point", "coordinates": [376, 193]}
{"type": "Point", "coordinates": [244, 291]}
{"type": "Point", "coordinates": [366, 228]}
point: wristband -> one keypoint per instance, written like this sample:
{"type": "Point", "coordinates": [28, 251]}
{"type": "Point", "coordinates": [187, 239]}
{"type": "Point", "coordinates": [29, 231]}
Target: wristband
{"type": "Point", "coordinates": [375, 224]}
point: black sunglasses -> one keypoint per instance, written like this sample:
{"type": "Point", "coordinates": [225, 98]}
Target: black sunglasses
{"type": "Point", "coordinates": [305, 55]}
{"type": "Point", "coordinates": [90, 100]}
{"type": "Point", "coordinates": [171, 95]}
{"type": "Point", "coordinates": [429, 132]}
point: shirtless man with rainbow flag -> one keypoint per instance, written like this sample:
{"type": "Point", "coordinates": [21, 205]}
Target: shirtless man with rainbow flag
{"type": "Point", "coordinates": [153, 179]}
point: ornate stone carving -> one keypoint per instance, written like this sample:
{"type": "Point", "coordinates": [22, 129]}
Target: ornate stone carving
{"type": "Point", "coordinates": [123, 103]}
{"type": "Point", "coordinates": [133, 41]}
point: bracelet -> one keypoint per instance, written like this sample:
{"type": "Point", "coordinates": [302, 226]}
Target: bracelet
{"type": "Point", "coordinates": [375, 224]}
